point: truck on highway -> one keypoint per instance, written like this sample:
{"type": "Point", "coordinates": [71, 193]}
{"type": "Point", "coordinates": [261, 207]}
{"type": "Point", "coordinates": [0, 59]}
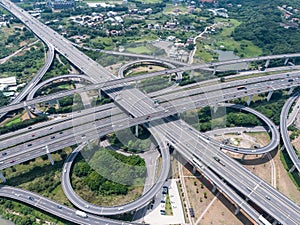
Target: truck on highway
{"type": "Point", "coordinates": [218, 160]}
{"type": "Point", "coordinates": [81, 214]}
{"type": "Point", "coordinates": [241, 88]}
{"type": "Point", "coordinates": [263, 220]}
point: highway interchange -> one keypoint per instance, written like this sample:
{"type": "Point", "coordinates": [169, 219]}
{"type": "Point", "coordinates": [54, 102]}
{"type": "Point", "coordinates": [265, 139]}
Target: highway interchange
{"type": "Point", "coordinates": [189, 142]}
{"type": "Point", "coordinates": [284, 131]}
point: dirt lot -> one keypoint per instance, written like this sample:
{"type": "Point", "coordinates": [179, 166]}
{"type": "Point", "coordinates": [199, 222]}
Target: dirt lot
{"type": "Point", "coordinates": [144, 69]}
{"type": "Point", "coordinates": [221, 211]}
{"type": "Point", "coordinates": [218, 209]}
{"type": "Point", "coordinates": [246, 140]}
{"type": "Point", "coordinates": [284, 183]}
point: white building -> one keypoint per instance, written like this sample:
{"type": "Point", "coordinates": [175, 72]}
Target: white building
{"type": "Point", "coordinates": [10, 81]}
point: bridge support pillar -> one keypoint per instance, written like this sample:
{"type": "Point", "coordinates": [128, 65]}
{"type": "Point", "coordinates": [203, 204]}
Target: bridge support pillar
{"type": "Point", "coordinates": [247, 199]}
{"type": "Point", "coordinates": [57, 102]}
{"type": "Point", "coordinates": [194, 169]}
{"type": "Point", "coordinates": [269, 95]}
{"type": "Point", "coordinates": [263, 155]}
{"type": "Point", "coordinates": [275, 222]}
{"type": "Point", "coordinates": [137, 130]}
{"type": "Point", "coordinates": [170, 78]}
{"type": "Point", "coordinates": [292, 169]}
{"type": "Point", "coordinates": [243, 157]}
{"type": "Point", "coordinates": [286, 61]}
{"type": "Point", "coordinates": [136, 83]}
{"type": "Point", "coordinates": [215, 70]}
{"type": "Point", "coordinates": [49, 155]}
{"type": "Point", "coordinates": [237, 210]}
{"type": "Point", "coordinates": [290, 63]}
{"type": "Point", "coordinates": [191, 74]}
{"type": "Point", "coordinates": [291, 91]}
{"type": "Point", "coordinates": [282, 148]}
{"type": "Point", "coordinates": [2, 178]}
{"type": "Point", "coordinates": [99, 142]}
{"type": "Point", "coordinates": [247, 65]}
{"type": "Point", "coordinates": [267, 63]}
{"type": "Point", "coordinates": [215, 108]}
{"type": "Point", "coordinates": [214, 188]}
{"type": "Point", "coordinates": [88, 143]}
{"type": "Point", "coordinates": [100, 94]}
{"type": "Point", "coordinates": [27, 110]}
{"type": "Point", "coordinates": [249, 99]}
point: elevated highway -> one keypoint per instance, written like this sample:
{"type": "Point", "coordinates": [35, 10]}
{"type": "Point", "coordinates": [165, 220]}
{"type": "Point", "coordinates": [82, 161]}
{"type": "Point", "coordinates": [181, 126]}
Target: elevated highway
{"type": "Point", "coordinates": [114, 210]}
{"type": "Point", "coordinates": [173, 103]}
{"type": "Point", "coordinates": [271, 126]}
{"type": "Point", "coordinates": [70, 76]}
{"type": "Point", "coordinates": [54, 208]}
{"type": "Point", "coordinates": [127, 66]}
{"type": "Point", "coordinates": [67, 187]}
{"type": "Point", "coordinates": [129, 79]}
{"type": "Point", "coordinates": [36, 79]}
{"type": "Point", "coordinates": [284, 132]}
{"type": "Point", "coordinates": [253, 188]}
{"type": "Point", "coordinates": [280, 207]}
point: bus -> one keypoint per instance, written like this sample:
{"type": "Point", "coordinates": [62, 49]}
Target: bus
{"type": "Point", "coordinates": [81, 214]}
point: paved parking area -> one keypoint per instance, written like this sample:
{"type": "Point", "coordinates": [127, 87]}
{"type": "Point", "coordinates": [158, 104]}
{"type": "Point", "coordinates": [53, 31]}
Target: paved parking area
{"type": "Point", "coordinates": [154, 216]}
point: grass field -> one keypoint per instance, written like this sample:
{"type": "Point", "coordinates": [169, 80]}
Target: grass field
{"type": "Point", "coordinates": [244, 48]}
{"type": "Point", "coordinates": [39, 176]}
{"type": "Point", "coordinates": [168, 206]}
{"type": "Point", "coordinates": [140, 50]}
{"type": "Point", "coordinates": [170, 9]}
{"type": "Point", "coordinates": [17, 119]}
{"type": "Point", "coordinates": [150, 1]}
{"type": "Point", "coordinates": [206, 47]}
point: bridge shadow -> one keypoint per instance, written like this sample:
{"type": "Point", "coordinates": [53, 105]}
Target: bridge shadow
{"type": "Point", "coordinates": [258, 160]}
{"type": "Point", "coordinates": [47, 171]}
{"type": "Point", "coordinates": [230, 205]}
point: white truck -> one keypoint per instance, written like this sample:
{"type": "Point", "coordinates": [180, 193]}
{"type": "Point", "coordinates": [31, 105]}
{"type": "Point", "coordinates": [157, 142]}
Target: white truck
{"type": "Point", "coordinates": [81, 214]}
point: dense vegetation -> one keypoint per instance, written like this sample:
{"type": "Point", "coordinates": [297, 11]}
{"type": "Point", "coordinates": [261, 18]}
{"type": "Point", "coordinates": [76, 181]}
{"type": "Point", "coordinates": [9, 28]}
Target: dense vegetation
{"type": "Point", "coordinates": [38, 176]}
{"type": "Point", "coordinates": [27, 64]}
{"type": "Point", "coordinates": [125, 140]}
{"type": "Point", "coordinates": [22, 124]}
{"type": "Point", "coordinates": [67, 104]}
{"type": "Point", "coordinates": [3, 99]}
{"type": "Point", "coordinates": [233, 118]}
{"type": "Point", "coordinates": [26, 215]}
{"type": "Point", "coordinates": [110, 173]}
{"type": "Point", "coordinates": [261, 25]}
{"type": "Point", "coordinates": [186, 79]}
{"type": "Point", "coordinates": [271, 109]}
{"type": "Point", "coordinates": [57, 68]}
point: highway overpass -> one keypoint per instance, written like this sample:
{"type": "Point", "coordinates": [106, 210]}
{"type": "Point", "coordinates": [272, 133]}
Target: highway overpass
{"type": "Point", "coordinates": [125, 98]}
